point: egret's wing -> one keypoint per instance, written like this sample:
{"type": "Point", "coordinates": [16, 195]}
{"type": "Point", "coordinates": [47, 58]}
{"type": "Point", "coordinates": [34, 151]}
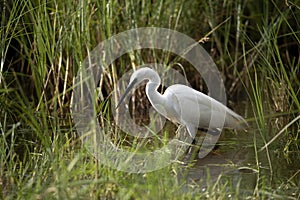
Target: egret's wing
{"type": "Point", "coordinates": [184, 92]}
{"type": "Point", "coordinates": [184, 105]}
{"type": "Point", "coordinates": [197, 103]}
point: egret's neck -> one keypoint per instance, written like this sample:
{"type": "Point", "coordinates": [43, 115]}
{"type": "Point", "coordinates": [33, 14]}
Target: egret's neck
{"type": "Point", "coordinates": [152, 85]}
{"type": "Point", "coordinates": [151, 89]}
{"type": "Point", "coordinates": [155, 98]}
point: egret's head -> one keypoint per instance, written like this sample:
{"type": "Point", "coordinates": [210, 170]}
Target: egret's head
{"type": "Point", "coordinates": [142, 74]}
{"type": "Point", "coordinates": [137, 77]}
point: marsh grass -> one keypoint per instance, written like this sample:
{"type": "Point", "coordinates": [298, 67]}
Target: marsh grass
{"type": "Point", "coordinates": [43, 43]}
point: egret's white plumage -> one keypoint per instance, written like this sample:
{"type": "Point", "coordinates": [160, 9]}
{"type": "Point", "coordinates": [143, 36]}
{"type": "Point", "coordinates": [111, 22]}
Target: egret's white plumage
{"type": "Point", "coordinates": [184, 105]}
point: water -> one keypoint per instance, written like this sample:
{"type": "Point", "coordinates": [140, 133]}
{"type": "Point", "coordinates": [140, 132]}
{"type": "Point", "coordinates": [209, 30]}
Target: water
{"type": "Point", "coordinates": [236, 160]}
{"type": "Point", "coordinates": [231, 158]}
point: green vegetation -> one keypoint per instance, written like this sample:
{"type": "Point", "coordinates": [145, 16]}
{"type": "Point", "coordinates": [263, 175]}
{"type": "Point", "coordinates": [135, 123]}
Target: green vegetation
{"type": "Point", "coordinates": [255, 45]}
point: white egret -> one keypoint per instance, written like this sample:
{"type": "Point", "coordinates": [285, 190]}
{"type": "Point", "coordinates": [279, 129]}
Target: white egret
{"type": "Point", "coordinates": [184, 105]}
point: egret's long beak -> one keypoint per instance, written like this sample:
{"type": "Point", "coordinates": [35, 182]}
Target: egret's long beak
{"type": "Point", "coordinates": [129, 87]}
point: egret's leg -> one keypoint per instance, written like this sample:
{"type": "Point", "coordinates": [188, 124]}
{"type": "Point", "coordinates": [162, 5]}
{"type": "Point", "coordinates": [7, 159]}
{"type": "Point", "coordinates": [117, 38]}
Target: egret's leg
{"type": "Point", "coordinates": [191, 140]}
{"type": "Point", "coordinates": [192, 131]}
{"type": "Point", "coordinates": [195, 148]}
{"type": "Point", "coordinates": [203, 145]}
{"type": "Point", "coordinates": [209, 142]}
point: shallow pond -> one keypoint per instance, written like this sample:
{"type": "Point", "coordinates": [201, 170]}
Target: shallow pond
{"type": "Point", "coordinates": [237, 161]}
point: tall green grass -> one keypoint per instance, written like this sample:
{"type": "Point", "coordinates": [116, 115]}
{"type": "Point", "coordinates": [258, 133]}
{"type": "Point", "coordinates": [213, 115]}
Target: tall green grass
{"type": "Point", "coordinates": [255, 44]}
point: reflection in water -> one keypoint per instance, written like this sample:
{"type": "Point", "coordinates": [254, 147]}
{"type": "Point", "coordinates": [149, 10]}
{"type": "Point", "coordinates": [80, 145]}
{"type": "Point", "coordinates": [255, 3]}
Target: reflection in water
{"type": "Point", "coordinates": [232, 161]}
{"type": "Point", "coordinates": [228, 164]}
{"type": "Point", "coordinates": [235, 161]}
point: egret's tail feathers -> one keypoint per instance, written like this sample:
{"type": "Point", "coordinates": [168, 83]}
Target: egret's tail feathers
{"type": "Point", "coordinates": [235, 121]}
